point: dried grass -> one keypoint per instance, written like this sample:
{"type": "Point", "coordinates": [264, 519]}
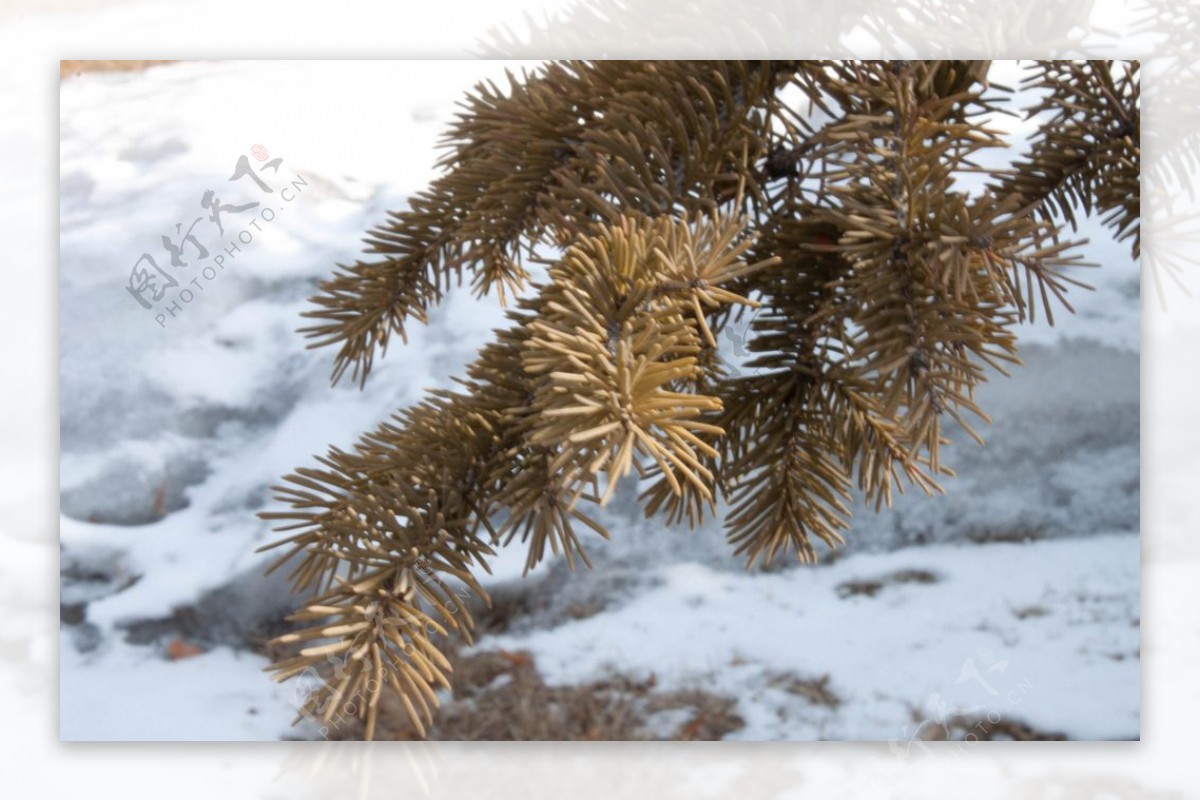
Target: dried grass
{"type": "Point", "coordinates": [68, 69]}
{"type": "Point", "coordinates": [499, 695]}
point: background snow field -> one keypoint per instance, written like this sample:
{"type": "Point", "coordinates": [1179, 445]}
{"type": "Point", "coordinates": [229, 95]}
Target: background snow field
{"type": "Point", "coordinates": [1013, 598]}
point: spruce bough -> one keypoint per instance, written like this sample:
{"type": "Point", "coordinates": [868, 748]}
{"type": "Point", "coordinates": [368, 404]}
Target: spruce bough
{"type": "Point", "coordinates": [823, 194]}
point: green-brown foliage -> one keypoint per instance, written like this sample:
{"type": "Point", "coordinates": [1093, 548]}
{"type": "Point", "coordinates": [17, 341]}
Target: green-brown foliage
{"type": "Point", "coordinates": [823, 194]}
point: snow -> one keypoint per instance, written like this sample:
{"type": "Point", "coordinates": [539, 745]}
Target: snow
{"type": "Point", "coordinates": [1070, 665]}
{"type": "Point", "coordinates": [218, 695]}
{"type": "Point", "coordinates": [198, 418]}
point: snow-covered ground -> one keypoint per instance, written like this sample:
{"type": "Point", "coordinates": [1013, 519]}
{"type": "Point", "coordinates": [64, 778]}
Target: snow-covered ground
{"type": "Point", "coordinates": [1016, 594]}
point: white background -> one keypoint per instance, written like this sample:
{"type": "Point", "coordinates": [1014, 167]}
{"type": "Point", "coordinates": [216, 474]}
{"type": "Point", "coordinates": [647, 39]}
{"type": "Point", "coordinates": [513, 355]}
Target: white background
{"type": "Point", "coordinates": [34, 36]}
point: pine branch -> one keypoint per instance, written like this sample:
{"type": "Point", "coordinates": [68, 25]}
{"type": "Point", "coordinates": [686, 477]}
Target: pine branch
{"type": "Point", "coordinates": [823, 195]}
{"type": "Point", "coordinates": [576, 393]}
{"type": "Point", "coordinates": [533, 165]}
{"type": "Point", "coordinates": [1087, 153]}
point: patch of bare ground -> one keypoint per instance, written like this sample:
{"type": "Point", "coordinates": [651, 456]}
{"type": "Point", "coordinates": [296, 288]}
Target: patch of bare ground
{"type": "Point", "coordinates": [1017, 534]}
{"type": "Point", "coordinates": [815, 690]}
{"type": "Point", "coordinates": [872, 587]}
{"type": "Point", "coordinates": [68, 69]}
{"type": "Point", "coordinates": [499, 695]}
{"type": "Point", "coordinates": [967, 727]}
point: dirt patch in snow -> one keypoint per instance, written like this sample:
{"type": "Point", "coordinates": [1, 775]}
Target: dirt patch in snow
{"type": "Point", "coordinates": [499, 695]}
{"type": "Point", "coordinates": [67, 69]}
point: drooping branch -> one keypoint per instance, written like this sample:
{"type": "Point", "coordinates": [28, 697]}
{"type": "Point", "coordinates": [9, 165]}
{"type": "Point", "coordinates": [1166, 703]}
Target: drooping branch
{"type": "Point", "coordinates": [1086, 155]}
{"type": "Point", "coordinates": [818, 198]}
